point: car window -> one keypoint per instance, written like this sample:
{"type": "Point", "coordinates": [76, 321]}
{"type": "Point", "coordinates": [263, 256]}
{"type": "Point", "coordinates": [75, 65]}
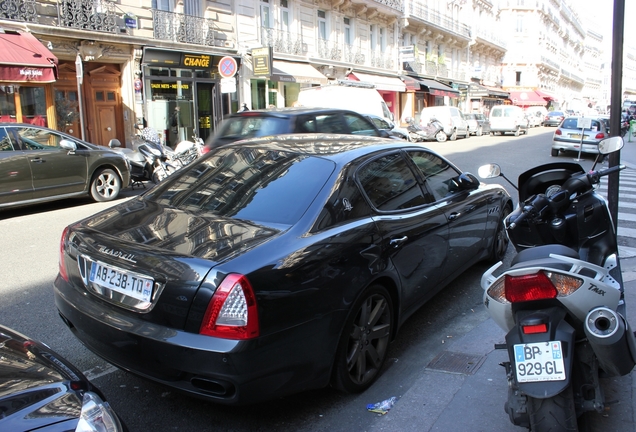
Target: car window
{"type": "Point", "coordinates": [358, 125]}
{"type": "Point", "coordinates": [380, 123]}
{"type": "Point", "coordinates": [570, 123]}
{"type": "Point", "coordinates": [38, 139]}
{"type": "Point", "coordinates": [306, 124]}
{"type": "Point", "coordinates": [439, 175]}
{"type": "Point", "coordinates": [390, 184]}
{"type": "Point", "coordinates": [5, 141]}
{"type": "Point", "coordinates": [244, 127]}
{"type": "Point", "coordinates": [259, 185]}
{"type": "Point", "coordinates": [331, 123]}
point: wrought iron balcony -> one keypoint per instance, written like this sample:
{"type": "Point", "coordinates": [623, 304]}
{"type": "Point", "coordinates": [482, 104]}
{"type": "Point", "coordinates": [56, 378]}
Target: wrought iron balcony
{"type": "Point", "coordinates": [448, 23]}
{"type": "Point", "coordinates": [328, 50]}
{"type": "Point", "coordinates": [18, 10]}
{"type": "Point", "coordinates": [353, 55]}
{"type": "Point", "coordinates": [190, 29]}
{"type": "Point", "coordinates": [283, 41]}
{"type": "Point", "coordinates": [398, 5]}
{"type": "Point", "coordinates": [430, 68]}
{"type": "Point", "coordinates": [98, 15]}
{"type": "Point", "coordinates": [491, 37]}
{"type": "Point", "coordinates": [381, 59]}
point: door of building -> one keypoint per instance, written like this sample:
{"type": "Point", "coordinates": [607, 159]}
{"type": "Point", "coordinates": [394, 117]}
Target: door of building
{"type": "Point", "coordinates": [107, 124]}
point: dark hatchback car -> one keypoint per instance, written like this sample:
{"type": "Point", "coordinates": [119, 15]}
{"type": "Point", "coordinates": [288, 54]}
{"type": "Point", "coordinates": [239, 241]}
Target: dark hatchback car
{"type": "Point", "coordinates": [275, 265]}
{"type": "Point", "coordinates": [38, 164]}
{"type": "Point", "coordinates": [39, 390]}
{"type": "Point", "coordinates": [280, 121]}
{"type": "Point", "coordinates": [554, 118]}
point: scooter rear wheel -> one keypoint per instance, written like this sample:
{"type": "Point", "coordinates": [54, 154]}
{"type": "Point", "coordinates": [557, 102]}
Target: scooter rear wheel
{"type": "Point", "coordinates": [555, 414]}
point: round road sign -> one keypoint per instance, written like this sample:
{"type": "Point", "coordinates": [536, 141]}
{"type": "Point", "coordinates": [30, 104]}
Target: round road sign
{"type": "Point", "coordinates": [228, 67]}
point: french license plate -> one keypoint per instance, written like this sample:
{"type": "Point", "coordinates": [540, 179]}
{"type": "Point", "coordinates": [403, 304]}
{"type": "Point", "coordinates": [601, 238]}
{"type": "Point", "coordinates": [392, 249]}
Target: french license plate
{"type": "Point", "coordinates": [539, 362]}
{"type": "Point", "coordinates": [578, 136]}
{"type": "Point", "coordinates": [121, 281]}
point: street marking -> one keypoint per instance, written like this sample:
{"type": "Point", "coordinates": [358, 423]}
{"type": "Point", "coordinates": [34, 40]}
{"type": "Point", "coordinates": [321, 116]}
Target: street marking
{"type": "Point", "coordinates": [99, 371]}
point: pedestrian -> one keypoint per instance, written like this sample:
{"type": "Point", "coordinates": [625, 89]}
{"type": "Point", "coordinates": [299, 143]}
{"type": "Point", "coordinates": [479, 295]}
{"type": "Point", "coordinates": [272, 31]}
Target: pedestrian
{"type": "Point", "coordinates": [243, 107]}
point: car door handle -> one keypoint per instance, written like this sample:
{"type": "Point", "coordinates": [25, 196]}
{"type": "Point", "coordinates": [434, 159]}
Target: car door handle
{"type": "Point", "coordinates": [396, 243]}
{"type": "Point", "coordinates": [454, 216]}
{"type": "Point", "coordinates": [38, 160]}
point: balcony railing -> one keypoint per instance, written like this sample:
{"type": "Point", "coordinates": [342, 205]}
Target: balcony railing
{"type": "Point", "coordinates": [98, 15]}
{"type": "Point", "coordinates": [491, 37]}
{"type": "Point", "coordinates": [398, 5]}
{"type": "Point", "coordinates": [328, 50]}
{"type": "Point", "coordinates": [191, 29]}
{"type": "Point", "coordinates": [353, 55]}
{"type": "Point", "coordinates": [283, 41]}
{"type": "Point", "coordinates": [18, 10]}
{"type": "Point", "coordinates": [382, 60]}
{"type": "Point", "coordinates": [418, 10]}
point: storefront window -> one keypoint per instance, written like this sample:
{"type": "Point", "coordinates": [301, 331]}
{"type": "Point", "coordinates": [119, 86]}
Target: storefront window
{"type": "Point", "coordinates": [33, 104]}
{"type": "Point", "coordinates": [7, 104]}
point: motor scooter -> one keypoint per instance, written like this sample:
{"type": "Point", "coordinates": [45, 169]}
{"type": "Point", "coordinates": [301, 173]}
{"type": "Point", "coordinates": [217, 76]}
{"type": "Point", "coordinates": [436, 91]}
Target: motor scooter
{"type": "Point", "coordinates": [434, 130]}
{"type": "Point", "coordinates": [562, 301]}
{"type": "Point", "coordinates": [185, 152]}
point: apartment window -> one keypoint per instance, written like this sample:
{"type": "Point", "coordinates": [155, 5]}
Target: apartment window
{"type": "Point", "coordinates": [266, 15]}
{"type": "Point", "coordinates": [382, 37]}
{"type": "Point", "coordinates": [192, 7]}
{"type": "Point", "coordinates": [373, 37]}
{"type": "Point", "coordinates": [518, 78]}
{"type": "Point", "coordinates": [348, 35]}
{"type": "Point", "coordinates": [163, 5]}
{"type": "Point", "coordinates": [284, 16]}
{"type": "Point", "coordinates": [322, 25]}
{"type": "Point", "coordinates": [519, 23]}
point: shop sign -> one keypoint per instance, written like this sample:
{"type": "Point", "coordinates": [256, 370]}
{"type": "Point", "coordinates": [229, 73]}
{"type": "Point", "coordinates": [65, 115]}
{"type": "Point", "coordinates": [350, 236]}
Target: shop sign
{"type": "Point", "coordinates": [173, 86]}
{"type": "Point", "coordinates": [196, 61]}
{"type": "Point", "coordinates": [228, 85]}
{"type": "Point", "coordinates": [262, 61]}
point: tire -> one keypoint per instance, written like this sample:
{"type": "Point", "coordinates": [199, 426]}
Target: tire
{"type": "Point", "coordinates": [364, 342]}
{"type": "Point", "coordinates": [105, 185]}
{"type": "Point", "coordinates": [500, 239]}
{"type": "Point", "coordinates": [441, 136]}
{"type": "Point", "coordinates": [480, 131]}
{"type": "Point", "coordinates": [517, 131]}
{"type": "Point", "coordinates": [453, 136]}
{"type": "Point", "coordinates": [467, 134]}
{"type": "Point", "coordinates": [554, 152]}
{"type": "Point", "coordinates": [555, 414]}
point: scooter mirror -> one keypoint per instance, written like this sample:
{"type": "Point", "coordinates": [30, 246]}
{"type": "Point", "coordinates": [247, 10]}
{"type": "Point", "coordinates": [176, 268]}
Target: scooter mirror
{"type": "Point", "coordinates": [610, 145]}
{"type": "Point", "coordinates": [489, 171]}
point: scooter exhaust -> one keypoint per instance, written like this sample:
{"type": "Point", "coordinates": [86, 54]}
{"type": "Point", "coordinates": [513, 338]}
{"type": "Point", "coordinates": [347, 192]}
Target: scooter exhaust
{"type": "Point", "coordinates": [612, 341]}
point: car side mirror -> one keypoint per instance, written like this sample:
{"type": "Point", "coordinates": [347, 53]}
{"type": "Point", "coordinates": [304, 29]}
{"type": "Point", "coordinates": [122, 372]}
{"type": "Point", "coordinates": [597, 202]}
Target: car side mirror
{"type": "Point", "coordinates": [68, 145]}
{"type": "Point", "coordinates": [114, 143]}
{"type": "Point", "coordinates": [384, 134]}
{"type": "Point", "coordinates": [467, 181]}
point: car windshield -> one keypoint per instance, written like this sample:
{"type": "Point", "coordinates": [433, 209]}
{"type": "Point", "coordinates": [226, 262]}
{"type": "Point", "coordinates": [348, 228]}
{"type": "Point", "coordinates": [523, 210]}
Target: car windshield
{"type": "Point", "coordinates": [249, 126]}
{"type": "Point", "coordinates": [571, 123]}
{"type": "Point", "coordinates": [255, 184]}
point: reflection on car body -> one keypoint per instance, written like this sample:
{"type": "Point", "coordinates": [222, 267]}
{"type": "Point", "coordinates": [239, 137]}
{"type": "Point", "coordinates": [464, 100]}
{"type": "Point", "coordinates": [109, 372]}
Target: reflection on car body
{"type": "Point", "coordinates": [268, 256]}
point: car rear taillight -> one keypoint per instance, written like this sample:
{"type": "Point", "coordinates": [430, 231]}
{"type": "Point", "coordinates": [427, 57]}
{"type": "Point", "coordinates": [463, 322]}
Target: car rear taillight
{"type": "Point", "coordinates": [232, 311]}
{"type": "Point", "coordinates": [63, 273]}
{"type": "Point", "coordinates": [558, 132]}
{"type": "Point", "coordinates": [600, 135]}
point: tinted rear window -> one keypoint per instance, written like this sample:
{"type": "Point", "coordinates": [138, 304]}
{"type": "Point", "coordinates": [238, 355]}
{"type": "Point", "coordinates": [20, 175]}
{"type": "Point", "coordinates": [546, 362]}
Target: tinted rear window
{"type": "Point", "coordinates": [570, 123]}
{"type": "Point", "coordinates": [259, 185]}
{"type": "Point", "coordinates": [244, 127]}
{"type": "Point", "coordinates": [503, 112]}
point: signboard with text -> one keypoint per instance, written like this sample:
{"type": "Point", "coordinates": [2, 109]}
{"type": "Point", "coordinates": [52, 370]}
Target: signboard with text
{"type": "Point", "coordinates": [262, 61]}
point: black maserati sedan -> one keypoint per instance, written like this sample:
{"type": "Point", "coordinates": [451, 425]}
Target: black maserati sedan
{"type": "Point", "coordinates": [275, 265]}
{"type": "Point", "coordinates": [40, 390]}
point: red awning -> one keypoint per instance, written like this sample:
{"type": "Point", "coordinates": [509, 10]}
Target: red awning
{"type": "Point", "coordinates": [526, 98]}
{"type": "Point", "coordinates": [23, 58]}
{"type": "Point", "coordinates": [544, 95]}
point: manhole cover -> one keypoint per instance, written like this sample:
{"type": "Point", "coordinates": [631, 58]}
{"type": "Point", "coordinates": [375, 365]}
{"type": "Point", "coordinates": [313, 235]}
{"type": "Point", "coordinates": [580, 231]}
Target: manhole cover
{"type": "Point", "coordinates": [456, 362]}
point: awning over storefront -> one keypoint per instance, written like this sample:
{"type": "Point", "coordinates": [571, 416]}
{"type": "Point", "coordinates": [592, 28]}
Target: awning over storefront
{"type": "Point", "coordinates": [545, 95]}
{"type": "Point", "coordinates": [297, 73]}
{"type": "Point", "coordinates": [480, 91]}
{"type": "Point", "coordinates": [526, 98]}
{"type": "Point", "coordinates": [433, 87]}
{"type": "Point", "coordinates": [23, 58]}
{"type": "Point", "coordinates": [387, 83]}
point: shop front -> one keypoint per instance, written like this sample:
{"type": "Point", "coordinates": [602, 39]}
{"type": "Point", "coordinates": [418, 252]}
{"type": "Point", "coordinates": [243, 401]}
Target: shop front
{"type": "Point", "coordinates": [425, 92]}
{"type": "Point", "coordinates": [483, 98]}
{"type": "Point", "coordinates": [183, 93]}
{"type": "Point", "coordinates": [27, 71]}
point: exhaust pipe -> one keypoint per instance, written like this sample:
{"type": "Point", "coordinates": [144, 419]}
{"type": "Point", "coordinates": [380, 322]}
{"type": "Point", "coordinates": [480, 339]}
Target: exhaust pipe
{"type": "Point", "coordinates": [613, 343]}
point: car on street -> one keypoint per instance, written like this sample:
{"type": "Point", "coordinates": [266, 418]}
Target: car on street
{"type": "Point", "coordinates": [478, 123]}
{"type": "Point", "coordinates": [451, 118]}
{"type": "Point", "coordinates": [275, 265]}
{"type": "Point", "coordinates": [508, 119]}
{"type": "Point", "coordinates": [388, 126]}
{"type": "Point", "coordinates": [570, 137]}
{"type": "Point", "coordinates": [40, 390]}
{"type": "Point", "coordinates": [39, 164]}
{"type": "Point", "coordinates": [291, 120]}
{"type": "Point", "coordinates": [534, 118]}
{"type": "Point", "coordinates": [554, 118]}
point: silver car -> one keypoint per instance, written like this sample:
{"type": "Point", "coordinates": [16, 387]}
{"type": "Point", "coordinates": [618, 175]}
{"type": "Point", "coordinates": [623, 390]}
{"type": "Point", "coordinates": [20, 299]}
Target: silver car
{"type": "Point", "coordinates": [570, 136]}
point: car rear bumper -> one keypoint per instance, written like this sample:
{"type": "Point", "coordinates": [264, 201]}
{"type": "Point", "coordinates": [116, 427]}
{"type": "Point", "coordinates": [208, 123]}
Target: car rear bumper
{"type": "Point", "coordinates": [220, 370]}
{"type": "Point", "coordinates": [588, 147]}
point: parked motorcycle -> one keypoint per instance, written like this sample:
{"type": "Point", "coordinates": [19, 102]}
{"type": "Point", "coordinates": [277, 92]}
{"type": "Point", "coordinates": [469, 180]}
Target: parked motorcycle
{"type": "Point", "coordinates": [561, 302]}
{"type": "Point", "coordinates": [147, 158]}
{"type": "Point", "coordinates": [185, 152]}
{"type": "Point", "coordinates": [434, 130]}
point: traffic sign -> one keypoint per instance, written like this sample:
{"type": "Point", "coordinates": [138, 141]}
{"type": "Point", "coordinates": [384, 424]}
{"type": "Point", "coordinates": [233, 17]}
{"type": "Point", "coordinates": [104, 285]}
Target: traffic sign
{"type": "Point", "coordinates": [228, 67]}
{"type": "Point", "coordinates": [228, 85]}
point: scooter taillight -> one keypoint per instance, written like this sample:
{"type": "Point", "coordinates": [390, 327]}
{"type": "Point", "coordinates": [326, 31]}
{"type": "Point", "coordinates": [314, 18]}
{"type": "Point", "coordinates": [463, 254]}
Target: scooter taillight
{"type": "Point", "coordinates": [529, 287]}
{"type": "Point", "coordinates": [534, 329]}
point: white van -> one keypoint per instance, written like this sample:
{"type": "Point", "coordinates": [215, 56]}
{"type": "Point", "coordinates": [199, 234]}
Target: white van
{"type": "Point", "coordinates": [451, 117]}
{"type": "Point", "coordinates": [537, 113]}
{"type": "Point", "coordinates": [508, 118]}
{"type": "Point", "coordinates": [361, 99]}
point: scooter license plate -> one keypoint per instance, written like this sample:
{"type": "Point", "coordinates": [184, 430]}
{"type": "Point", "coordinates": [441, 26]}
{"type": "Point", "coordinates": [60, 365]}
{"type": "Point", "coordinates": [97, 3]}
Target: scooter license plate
{"type": "Point", "coordinates": [535, 362]}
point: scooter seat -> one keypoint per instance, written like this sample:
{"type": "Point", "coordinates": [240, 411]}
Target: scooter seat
{"type": "Point", "coordinates": [540, 257]}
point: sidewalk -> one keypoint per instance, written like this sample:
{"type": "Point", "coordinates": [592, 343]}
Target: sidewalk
{"type": "Point", "coordinates": [448, 402]}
